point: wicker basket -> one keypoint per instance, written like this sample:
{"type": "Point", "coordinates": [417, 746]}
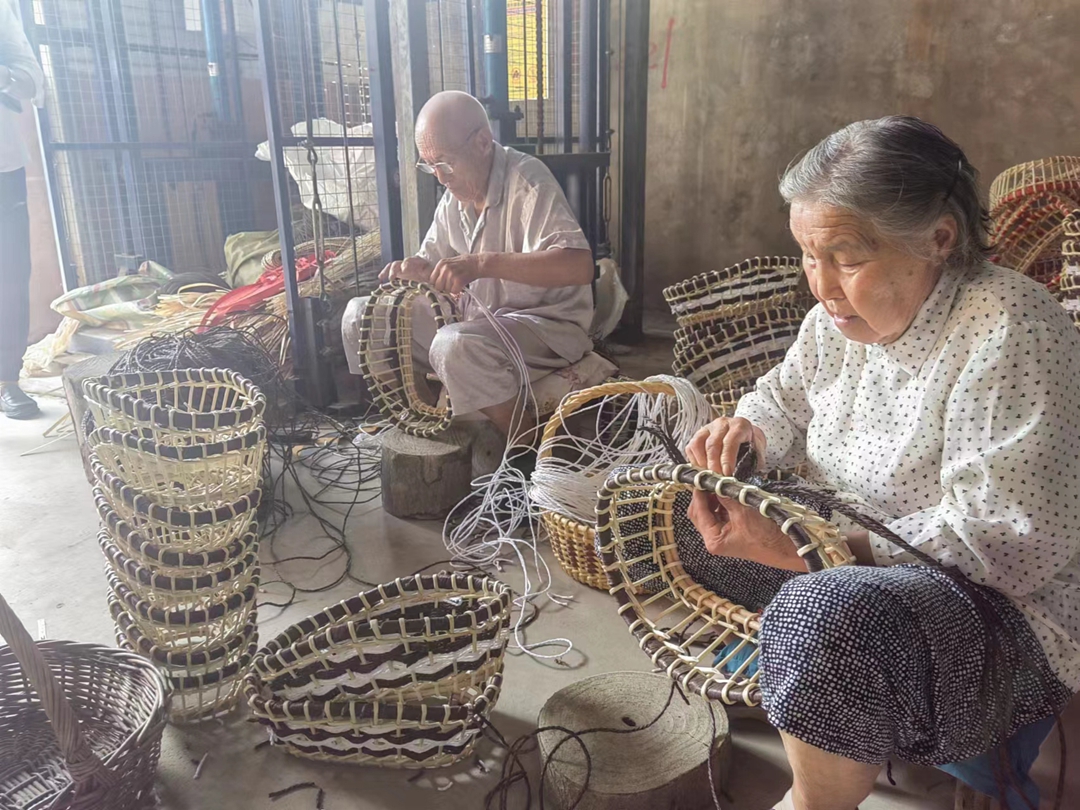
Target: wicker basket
{"type": "Point", "coordinates": [211, 624]}
{"type": "Point", "coordinates": [402, 676]}
{"type": "Point", "coordinates": [572, 541]}
{"type": "Point", "coordinates": [738, 290]}
{"type": "Point", "coordinates": [180, 407]}
{"type": "Point", "coordinates": [173, 528]}
{"type": "Point", "coordinates": [1053, 174]}
{"type": "Point", "coordinates": [165, 560]}
{"type": "Point", "coordinates": [679, 624]}
{"type": "Point", "coordinates": [80, 724]}
{"type": "Point", "coordinates": [725, 400]}
{"type": "Point", "coordinates": [742, 349]}
{"type": "Point", "coordinates": [386, 355]}
{"type": "Point", "coordinates": [200, 476]}
{"type": "Point", "coordinates": [205, 684]}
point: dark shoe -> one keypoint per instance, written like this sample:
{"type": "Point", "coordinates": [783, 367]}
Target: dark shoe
{"type": "Point", "coordinates": [17, 405]}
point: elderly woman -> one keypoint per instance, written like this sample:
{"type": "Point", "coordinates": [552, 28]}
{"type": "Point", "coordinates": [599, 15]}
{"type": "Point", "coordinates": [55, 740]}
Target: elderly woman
{"type": "Point", "coordinates": [941, 394]}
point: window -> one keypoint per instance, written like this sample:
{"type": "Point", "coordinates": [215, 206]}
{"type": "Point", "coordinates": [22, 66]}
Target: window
{"type": "Point", "coordinates": [192, 15]}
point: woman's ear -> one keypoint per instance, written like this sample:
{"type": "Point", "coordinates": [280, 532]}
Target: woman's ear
{"type": "Point", "coordinates": [945, 235]}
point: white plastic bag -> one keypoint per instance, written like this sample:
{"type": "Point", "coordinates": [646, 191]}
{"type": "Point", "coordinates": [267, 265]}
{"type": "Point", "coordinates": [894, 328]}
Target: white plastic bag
{"type": "Point", "coordinates": [330, 172]}
{"type": "Point", "coordinates": [611, 298]}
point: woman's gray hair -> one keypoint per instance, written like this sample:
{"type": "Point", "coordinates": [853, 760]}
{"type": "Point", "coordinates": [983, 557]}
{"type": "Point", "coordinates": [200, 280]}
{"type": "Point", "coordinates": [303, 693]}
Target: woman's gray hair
{"type": "Point", "coordinates": [901, 175]}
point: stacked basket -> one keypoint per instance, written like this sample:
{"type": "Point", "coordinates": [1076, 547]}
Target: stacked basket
{"type": "Point", "coordinates": [177, 459]}
{"type": "Point", "coordinates": [735, 324]}
{"type": "Point", "coordinates": [1069, 288]}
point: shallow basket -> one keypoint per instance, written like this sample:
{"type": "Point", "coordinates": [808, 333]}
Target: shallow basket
{"type": "Point", "coordinates": [572, 541]}
{"type": "Point", "coordinates": [749, 286]}
{"type": "Point", "coordinates": [678, 623]}
{"type": "Point", "coordinates": [80, 724]}
{"type": "Point", "coordinates": [205, 685]}
{"type": "Point", "coordinates": [164, 560]}
{"type": "Point", "coordinates": [210, 625]}
{"type": "Point", "coordinates": [197, 476]}
{"type": "Point", "coordinates": [401, 676]}
{"type": "Point", "coordinates": [386, 355]}
{"type": "Point", "coordinates": [177, 407]}
{"type": "Point", "coordinates": [171, 527]}
{"type": "Point", "coordinates": [739, 349]}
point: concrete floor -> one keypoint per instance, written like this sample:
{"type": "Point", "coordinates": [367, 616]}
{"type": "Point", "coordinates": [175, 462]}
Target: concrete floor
{"type": "Point", "coordinates": [50, 569]}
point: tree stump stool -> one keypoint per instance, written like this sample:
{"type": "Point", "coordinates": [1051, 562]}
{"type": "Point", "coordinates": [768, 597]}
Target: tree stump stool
{"type": "Point", "coordinates": [664, 765]}
{"type": "Point", "coordinates": [425, 478]}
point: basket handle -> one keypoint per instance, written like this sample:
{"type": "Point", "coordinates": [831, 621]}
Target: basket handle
{"type": "Point", "coordinates": [577, 399]}
{"type": "Point", "coordinates": [82, 763]}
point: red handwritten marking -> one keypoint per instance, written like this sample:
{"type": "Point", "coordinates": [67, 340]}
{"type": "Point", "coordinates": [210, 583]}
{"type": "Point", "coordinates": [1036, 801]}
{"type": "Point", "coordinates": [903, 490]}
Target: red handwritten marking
{"type": "Point", "coordinates": [667, 52]}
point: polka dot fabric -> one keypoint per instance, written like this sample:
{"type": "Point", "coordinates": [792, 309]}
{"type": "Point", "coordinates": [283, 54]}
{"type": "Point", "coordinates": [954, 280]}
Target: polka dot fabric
{"type": "Point", "coordinates": [964, 433]}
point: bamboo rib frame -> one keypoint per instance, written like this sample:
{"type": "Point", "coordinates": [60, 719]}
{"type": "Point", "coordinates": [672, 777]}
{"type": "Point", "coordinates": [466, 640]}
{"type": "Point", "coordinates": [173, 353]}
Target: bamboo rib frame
{"type": "Point", "coordinates": [401, 676]}
{"type": "Point", "coordinates": [386, 355]}
{"type": "Point", "coordinates": [678, 623]}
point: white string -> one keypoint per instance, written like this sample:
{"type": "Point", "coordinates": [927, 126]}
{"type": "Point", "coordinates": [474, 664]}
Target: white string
{"type": "Point", "coordinates": [571, 468]}
{"type": "Point", "coordinates": [485, 536]}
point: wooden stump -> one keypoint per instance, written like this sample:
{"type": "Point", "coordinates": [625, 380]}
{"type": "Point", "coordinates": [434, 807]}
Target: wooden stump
{"type": "Point", "coordinates": [73, 377]}
{"type": "Point", "coordinates": [425, 478]}
{"type": "Point", "coordinates": [662, 766]}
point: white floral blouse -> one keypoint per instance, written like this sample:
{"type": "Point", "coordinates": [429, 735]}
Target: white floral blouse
{"type": "Point", "coordinates": [963, 435]}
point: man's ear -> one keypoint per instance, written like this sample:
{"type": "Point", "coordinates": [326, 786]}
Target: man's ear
{"type": "Point", "coordinates": [485, 141]}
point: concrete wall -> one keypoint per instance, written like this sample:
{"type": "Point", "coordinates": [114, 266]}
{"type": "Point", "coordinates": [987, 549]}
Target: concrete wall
{"type": "Point", "coordinates": [738, 88]}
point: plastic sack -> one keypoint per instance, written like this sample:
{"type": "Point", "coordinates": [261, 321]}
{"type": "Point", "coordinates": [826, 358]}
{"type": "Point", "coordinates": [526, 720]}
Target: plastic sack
{"type": "Point", "coordinates": [330, 172]}
{"type": "Point", "coordinates": [119, 303]}
{"type": "Point", "coordinates": [611, 298]}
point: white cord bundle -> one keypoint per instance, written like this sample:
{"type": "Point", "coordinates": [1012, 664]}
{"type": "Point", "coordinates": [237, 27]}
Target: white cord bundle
{"type": "Point", "coordinates": [485, 536]}
{"type": "Point", "coordinates": [572, 468]}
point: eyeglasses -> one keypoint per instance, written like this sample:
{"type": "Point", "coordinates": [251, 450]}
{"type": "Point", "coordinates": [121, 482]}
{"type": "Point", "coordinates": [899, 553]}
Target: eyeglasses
{"type": "Point", "coordinates": [445, 168]}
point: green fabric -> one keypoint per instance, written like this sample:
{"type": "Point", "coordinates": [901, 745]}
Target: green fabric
{"type": "Point", "coordinates": [119, 303]}
{"type": "Point", "coordinates": [244, 253]}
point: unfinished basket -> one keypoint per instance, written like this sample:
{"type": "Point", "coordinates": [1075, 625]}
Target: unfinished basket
{"type": "Point", "coordinates": [679, 624]}
{"type": "Point", "coordinates": [1069, 286]}
{"type": "Point", "coordinates": [1053, 174]}
{"type": "Point", "coordinates": [179, 407]}
{"type": "Point", "coordinates": [205, 684]}
{"type": "Point", "coordinates": [199, 476]}
{"type": "Point", "coordinates": [743, 288]}
{"type": "Point", "coordinates": [741, 349]}
{"type": "Point", "coordinates": [386, 355]}
{"type": "Point", "coordinates": [402, 676]}
{"type": "Point", "coordinates": [211, 624]}
{"type": "Point", "coordinates": [162, 559]}
{"type": "Point", "coordinates": [80, 724]}
{"type": "Point", "coordinates": [173, 528]}
{"type": "Point", "coordinates": [572, 541]}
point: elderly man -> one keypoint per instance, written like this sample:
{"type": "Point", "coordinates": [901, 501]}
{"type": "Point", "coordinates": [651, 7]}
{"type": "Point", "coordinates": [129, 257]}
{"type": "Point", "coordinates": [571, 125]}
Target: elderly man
{"type": "Point", "coordinates": [505, 234]}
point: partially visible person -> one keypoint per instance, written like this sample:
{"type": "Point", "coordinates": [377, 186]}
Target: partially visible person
{"type": "Point", "coordinates": [21, 81]}
{"type": "Point", "coordinates": [505, 232]}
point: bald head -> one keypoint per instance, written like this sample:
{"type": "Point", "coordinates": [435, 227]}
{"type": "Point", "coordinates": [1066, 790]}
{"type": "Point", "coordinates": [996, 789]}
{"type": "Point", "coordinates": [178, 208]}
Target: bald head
{"type": "Point", "coordinates": [448, 119]}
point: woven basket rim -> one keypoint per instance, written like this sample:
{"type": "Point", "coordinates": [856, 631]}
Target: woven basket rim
{"type": "Point", "coordinates": [172, 452]}
{"type": "Point", "coordinates": [710, 279]}
{"type": "Point", "coordinates": [149, 578]}
{"type": "Point", "coordinates": [174, 516]}
{"type": "Point", "coordinates": [149, 612]}
{"type": "Point", "coordinates": [103, 391]}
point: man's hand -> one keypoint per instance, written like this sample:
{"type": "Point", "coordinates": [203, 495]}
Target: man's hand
{"type": "Point", "coordinates": [454, 274]}
{"type": "Point", "coordinates": [412, 269]}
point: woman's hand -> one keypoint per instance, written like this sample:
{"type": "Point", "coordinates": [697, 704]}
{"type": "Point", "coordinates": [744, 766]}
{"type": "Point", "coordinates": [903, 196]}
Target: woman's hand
{"type": "Point", "coordinates": [716, 446]}
{"type": "Point", "coordinates": [728, 528]}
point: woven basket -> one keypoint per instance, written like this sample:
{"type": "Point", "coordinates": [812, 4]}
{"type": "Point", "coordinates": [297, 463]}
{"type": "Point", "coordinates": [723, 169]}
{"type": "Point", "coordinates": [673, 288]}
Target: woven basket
{"type": "Point", "coordinates": [173, 528]}
{"type": "Point", "coordinates": [742, 349]}
{"type": "Point", "coordinates": [725, 400]}
{"type": "Point", "coordinates": [205, 684]}
{"type": "Point", "coordinates": [679, 624]}
{"type": "Point", "coordinates": [164, 560]}
{"type": "Point", "coordinates": [402, 676]}
{"type": "Point", "coordinates": [574, 542]}
{"type": "Point", "coordinates": [1053, 174]}
{"type": "Point", "coordinates": [211, 624]}
{"type": "Point", "coordinates": [198, 476]}
{"type": "Point", "coordinates": [386, 355]}
{"type": "Point", "coordinates": [80, 724]}
{"type": "Point", "coordinates": [738, 290]}
{"type": "Point", "coordinates": [181, 407]}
